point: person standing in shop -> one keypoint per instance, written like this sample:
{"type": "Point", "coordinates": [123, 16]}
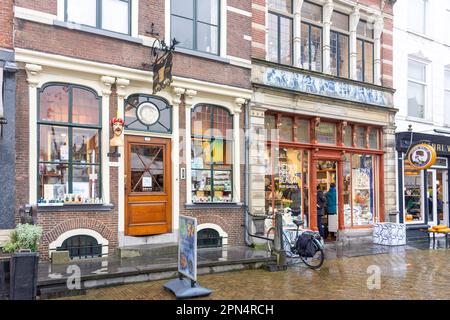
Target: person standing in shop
{"type": "Point", "coordinates": [321, 204]}
{"type": "Point", "coordinates": [332, 208]}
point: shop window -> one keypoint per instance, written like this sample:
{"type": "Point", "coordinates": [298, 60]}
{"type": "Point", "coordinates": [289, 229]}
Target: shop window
{"type": "Point", "coordinates": [195, 23]}
{"type": "Point", "coordinates": [303, 134]}
{"type": "Point", "coordinates": [326, 133]}
{"type": "Point", "coordinates": [280, 31]}
{"type": "Point", "coordinates": [286, 181]}
{"type": "Point", "coordinates": [208, 238]}
{"type": "Point", "coordinates": [348, 136]}
{"type": "Point", "coordinates": [416, 89]}
{"type": "Point", "coordinates": [361, 137]}
{"type": "Point", "coordinates": [286, 129]}
{"type": "Point", "coordinates": [363, 191]}
{"type": "Point", "coordinates": [339, 44]}
{"type": "Point", "coordinates": [413, 188]}
{"type": "Point", "coordinates": [347, 191]}
{"type": "Point", "coordinates": [147, 113]}
{"type": "Point", "coordinates": [69, 127]}
{"type": "Point", "coordinates": [311, 37]}
{"type": "Point", "coordinates": [364, 52]}
{"type": "Point", "coordinates": [111, 15]}
{"type": "Point", "coordinates": [81, 246]}
{"type": "Point", "coordinates": [373, 138]}
{"type": "Point", "coordinates": [270, 125]}
{"type": "Point", "coordinates": [212, 157]}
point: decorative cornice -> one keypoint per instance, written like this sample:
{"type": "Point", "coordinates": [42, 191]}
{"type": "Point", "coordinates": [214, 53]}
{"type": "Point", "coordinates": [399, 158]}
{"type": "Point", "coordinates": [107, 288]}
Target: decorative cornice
{"type": "Point", "coordinates": [176, 100]}
{"type": "Point", "coordinates": [121, 84]}
{"type": "Point", "coordinates": [33, 71]}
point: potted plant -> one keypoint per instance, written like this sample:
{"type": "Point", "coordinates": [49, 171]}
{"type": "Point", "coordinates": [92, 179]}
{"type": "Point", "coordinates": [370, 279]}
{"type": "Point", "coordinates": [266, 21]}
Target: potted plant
{"type": "Point", "coordinates": [23, 245]}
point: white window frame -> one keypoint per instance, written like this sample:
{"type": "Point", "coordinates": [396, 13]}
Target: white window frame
{"type": "Point", "coordinates": [134, 16]}
{"type": "Point", "coordinates": [422, 193]}
{"type": "Point", "coordinates": [222, 30]}
{"type": "Point", "coordinates": [424, 16]}
{"type": "Point", "coordinates": [446, 117]}
{"type": "Point", "coordinates": [425, 86]}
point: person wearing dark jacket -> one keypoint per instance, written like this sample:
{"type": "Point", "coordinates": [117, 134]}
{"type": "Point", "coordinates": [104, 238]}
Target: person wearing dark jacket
{"type": "Point", "coordinates": [321, 204]}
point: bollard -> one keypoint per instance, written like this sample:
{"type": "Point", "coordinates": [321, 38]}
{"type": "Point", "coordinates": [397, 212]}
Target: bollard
{"type": "Point", "coordinates": [278, 241]}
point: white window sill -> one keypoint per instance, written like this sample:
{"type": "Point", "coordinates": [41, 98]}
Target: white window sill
{"type": "Point", "coordinates": [202, 55]}
{"type": "Point", "coordinates": [420, 120]}
{"type": "Point", "coordinates": [100, 32]}
{"type": "Point", "coordinates": [419, 34]}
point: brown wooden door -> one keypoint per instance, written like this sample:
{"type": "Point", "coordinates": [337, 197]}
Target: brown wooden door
{"type": "Point", "coordinates": [148, 189]}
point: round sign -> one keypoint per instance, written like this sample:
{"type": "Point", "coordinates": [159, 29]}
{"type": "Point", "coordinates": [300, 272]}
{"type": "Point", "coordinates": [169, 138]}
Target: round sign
{"type": "Point", "coordinates": [422, 156]}
{"type": "Point", "coordinates": [147, 113]}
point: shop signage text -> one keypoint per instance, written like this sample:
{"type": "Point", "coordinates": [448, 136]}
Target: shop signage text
{"type": "Point", "coordinates": [324, 87]}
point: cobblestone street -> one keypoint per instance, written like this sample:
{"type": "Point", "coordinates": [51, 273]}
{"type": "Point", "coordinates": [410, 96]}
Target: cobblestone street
{"type": "Point", "coordinates": [413, 274]}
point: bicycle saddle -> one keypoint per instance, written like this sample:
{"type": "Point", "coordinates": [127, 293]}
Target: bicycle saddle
{"type": "Point", "coordinates": [299, 223]}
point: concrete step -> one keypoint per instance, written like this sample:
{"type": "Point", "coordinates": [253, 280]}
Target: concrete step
{"type": "Point", "coordinates": [148, 250]}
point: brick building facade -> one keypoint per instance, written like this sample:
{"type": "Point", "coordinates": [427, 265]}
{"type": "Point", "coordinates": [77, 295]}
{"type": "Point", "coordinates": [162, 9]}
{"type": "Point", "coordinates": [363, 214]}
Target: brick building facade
{"type": "Point", "coordinates": [73, 65]}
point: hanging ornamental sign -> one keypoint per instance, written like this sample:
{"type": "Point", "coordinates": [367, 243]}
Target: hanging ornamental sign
{"type": "Point", "coordinates": [421, 156]}
{"type": "Point", "coordinates": [162, 56]}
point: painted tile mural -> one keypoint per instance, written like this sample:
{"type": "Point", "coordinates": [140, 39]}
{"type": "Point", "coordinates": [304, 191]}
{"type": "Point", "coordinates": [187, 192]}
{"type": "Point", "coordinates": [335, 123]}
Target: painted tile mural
{"type": "Point", "coordinates": [324, 87]}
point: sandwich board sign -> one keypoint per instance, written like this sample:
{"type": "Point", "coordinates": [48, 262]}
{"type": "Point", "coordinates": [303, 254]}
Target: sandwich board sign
{"type": "Point", "coordinates": [186, 285]}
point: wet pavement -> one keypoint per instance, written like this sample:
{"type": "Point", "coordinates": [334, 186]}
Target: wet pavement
{"type": "Point", "coordinates": [361, 272]}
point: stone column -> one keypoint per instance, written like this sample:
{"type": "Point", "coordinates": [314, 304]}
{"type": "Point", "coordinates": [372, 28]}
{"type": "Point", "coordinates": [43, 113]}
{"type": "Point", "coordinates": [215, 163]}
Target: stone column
{"type": "Point", "coordinates": [257, 168]}
{"type": "Point", "coordinates": [106, 83]}
{"type": "Point", "coordinates": [390, 175]}
{"type": "Point", "coordinates": [188, 97]}
{"type": "Point", "coordinates": [378, 30]}
{"type": "Point", "coordinates": [297, 32]}
{"type": "Point", "coordinates": [33, 81]}
{"type": "Point", "coordinates": [176, 101]}
{"type": "Point", "coordinates": [121, 86]}
{"type": "Point", "coordinates": [354, 19]}
{"type": "Point", "coordinates": [237, 147]}
{"type": "Point", "coordinates": [327, 12]}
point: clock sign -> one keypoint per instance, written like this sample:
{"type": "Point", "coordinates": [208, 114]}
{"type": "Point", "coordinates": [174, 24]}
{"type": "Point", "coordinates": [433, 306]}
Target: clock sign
{"type": "Point", "coordinates": [147, 113]}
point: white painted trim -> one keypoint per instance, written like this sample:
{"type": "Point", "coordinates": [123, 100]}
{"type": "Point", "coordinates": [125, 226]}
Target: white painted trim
{"type": "Point", "coordinates": [223, 25]}
{"type": "Point", "coordinates": [91, 67]}
{"type": "Point", "coordinates": [134, 18]}
{"type": "Point", "coordinates": [244, 63]}
{"type": "Point", "coordinates": [187, 139]}
{"type": "Point", "coordinates": [236, 160]}
{"type": "Point", "coordinates": [247, 37]}
{"type": "Point", "coordinates": [60, 10]}
{"type": "Point", "coordinates": [216, 227]}
{"type": "Point", "coordinates": [33, 143]}
{"type": "Point", "coordinates": [34, 15]}
{"type": "Point", "coordinates": [239, 11]}
{"type": "Point", "coordinates": [80, 232]}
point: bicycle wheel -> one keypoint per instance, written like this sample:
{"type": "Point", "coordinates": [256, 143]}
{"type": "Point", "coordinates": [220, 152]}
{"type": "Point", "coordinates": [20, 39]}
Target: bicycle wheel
{"type": "Point", "coordinates": [316, 261]}
{"type": "Point", "coordinates": [271, 235]}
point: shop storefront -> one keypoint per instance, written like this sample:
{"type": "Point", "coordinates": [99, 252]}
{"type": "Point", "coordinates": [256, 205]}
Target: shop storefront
{"type": "Point", "coordinates": [317, 132]}
{"type": "Point", "coordinates": [424, 194]}
{"type": "Point", "coordinates": [305, 154]}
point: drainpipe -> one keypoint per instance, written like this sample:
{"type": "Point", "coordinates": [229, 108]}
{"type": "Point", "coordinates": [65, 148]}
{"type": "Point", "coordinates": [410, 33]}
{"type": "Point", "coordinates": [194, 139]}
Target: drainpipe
{"type": "Point", "coordinates": [248, 242]}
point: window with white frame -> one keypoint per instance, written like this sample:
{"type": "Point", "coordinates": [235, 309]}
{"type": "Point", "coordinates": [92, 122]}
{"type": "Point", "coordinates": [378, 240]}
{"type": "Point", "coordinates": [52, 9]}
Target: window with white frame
{"type": "Point", "coordinates": [111, 15]}
{"type": "Point", "coordinates": [195, 23]}
{"type": "Point", "coordinates": [417, 15]}
{"type": "Point", "coordinates": [339, 45]}
{"type": "Point", "coordinates": [416, 89]}
{"type": "Point", "coordinates": [280, 31]}
{"type": "Point", "coordinates": [364, 52]}
{"type": "Point", "coordinates": [311, 36]}
{"type": "Point", "coordinates": [447, 96]}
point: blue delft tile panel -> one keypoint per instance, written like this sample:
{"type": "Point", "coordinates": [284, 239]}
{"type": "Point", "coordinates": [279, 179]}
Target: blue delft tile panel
{"type": "Point", "coordinates": [323, 87]}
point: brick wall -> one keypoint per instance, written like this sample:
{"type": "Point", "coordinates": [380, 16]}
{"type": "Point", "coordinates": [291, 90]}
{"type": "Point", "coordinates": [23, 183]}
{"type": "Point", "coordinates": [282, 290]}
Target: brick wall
{"type": "Point", "coordinates": [6, 22]}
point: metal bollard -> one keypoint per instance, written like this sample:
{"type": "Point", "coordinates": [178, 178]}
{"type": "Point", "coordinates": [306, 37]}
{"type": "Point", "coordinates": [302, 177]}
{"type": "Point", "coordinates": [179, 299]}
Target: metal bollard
{"type": "Point", "coordinates": [279, 245]}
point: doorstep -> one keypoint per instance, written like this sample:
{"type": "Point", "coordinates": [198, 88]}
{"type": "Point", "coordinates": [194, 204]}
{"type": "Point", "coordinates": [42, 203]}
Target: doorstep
{"type": "Point", "coordinates": [95, 273]}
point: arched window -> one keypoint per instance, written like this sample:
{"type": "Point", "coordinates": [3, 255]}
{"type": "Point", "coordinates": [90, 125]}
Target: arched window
{"type": "Point", "coordinates": [211, 154]}
{"type": "Point", "coordinates": [69, 126]}
{"type": "Point", "coordinates": [81, 246]}
{"type": "Point", "coordinates": [208, 238]}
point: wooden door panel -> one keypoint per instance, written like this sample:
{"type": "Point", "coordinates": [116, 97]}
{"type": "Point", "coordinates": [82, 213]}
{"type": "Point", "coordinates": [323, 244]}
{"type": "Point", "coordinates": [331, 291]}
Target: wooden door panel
{"type": "Point", "coordinates": [144, 212]}
{"type": "Point", "coordinates": [148, 187]}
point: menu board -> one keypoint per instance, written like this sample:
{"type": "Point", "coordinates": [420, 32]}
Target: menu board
{"type": "Point", "coordinates": [187, 247]}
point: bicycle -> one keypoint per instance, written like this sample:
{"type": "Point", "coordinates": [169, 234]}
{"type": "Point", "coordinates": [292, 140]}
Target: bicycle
{"type": "Point", "coordinates": [290, 246]}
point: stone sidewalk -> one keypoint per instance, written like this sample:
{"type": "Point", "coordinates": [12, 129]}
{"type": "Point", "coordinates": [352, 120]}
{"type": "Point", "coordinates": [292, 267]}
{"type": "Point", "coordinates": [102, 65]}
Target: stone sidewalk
{"type": "Point", "coordinates": [404, 273]}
